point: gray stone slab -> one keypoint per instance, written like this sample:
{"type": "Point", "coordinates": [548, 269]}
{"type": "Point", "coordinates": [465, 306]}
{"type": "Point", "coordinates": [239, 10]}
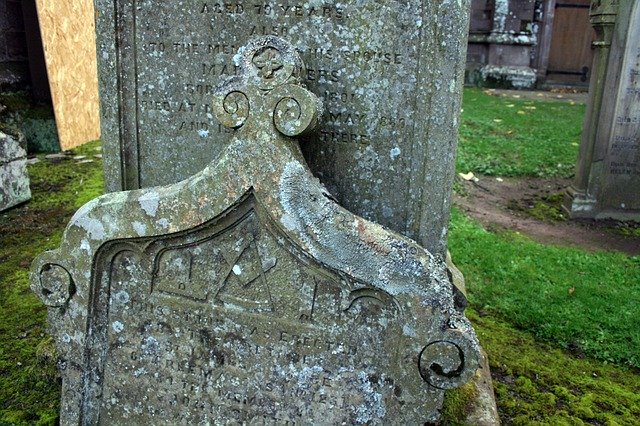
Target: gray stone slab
{"type": "Point", "coordinates": [245, 294]}
{"type": "Point", "coordinates": [14, 180]}
{"type": "Point", "coordinates": [388, 73]}
{"type": "Point", "coordinates": [608, 176]}
{"type": "Point", "coordinates": [621, 180]}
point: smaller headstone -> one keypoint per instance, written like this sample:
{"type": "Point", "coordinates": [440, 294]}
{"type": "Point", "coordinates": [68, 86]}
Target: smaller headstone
{"type": "Point", "coordinates": [14, 180]}
{"type": "Point", "coordinates": [245, 294]}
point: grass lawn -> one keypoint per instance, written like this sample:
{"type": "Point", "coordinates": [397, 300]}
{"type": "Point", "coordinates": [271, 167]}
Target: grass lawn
{"type": "Point", "coordinates": [513, 137]}
{"type": "Point", "coordinates": [586, 302]}
{"type": "Point", "coordinates": [561, 325]}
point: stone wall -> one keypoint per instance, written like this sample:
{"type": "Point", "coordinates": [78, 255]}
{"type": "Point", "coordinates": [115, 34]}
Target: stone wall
{"type": "Point", "coordinates": [529, 43]}
{"type": "Point", "coordinates": [502, 38]}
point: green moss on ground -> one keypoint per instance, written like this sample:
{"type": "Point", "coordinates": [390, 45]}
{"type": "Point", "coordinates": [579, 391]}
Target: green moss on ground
{"type": "Point", "coordinates": [29, 383]}
{"type": "Point", "coordinates": [587, 302]}
{"type": "Point", "coordinates": [458, 404]}
{"type": "Point", "coordinates": [538, 384]}
{"type": "Point", "coordinates": [548, 208]}
{"type": "Point", "coordinates": [511, 137]}
{"type": "Point", "coordinates": [628, 229]}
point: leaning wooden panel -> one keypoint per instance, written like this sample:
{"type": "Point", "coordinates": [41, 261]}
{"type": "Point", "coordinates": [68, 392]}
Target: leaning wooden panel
{"type": "Point", "coordinates": [68, 36]}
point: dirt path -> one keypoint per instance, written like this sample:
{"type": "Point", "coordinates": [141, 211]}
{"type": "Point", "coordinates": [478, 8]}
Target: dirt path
{"type": "Point", "coordinates": [509, 204]}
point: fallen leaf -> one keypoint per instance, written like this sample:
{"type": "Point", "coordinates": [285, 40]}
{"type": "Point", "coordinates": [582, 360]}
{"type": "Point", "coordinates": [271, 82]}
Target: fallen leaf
{"type": "Point", "coordinates": [510, 105]}
{"type": "Point", "coordinates": [497, 120]}
{"type": "Point", "coordinates": [499, 179]}
{"type": "Point", "coordinates": [572, 290]}
{"type": "Point", "coordinates": [521, 112]}
{"type": "Point", "coordinates": [468, 176]}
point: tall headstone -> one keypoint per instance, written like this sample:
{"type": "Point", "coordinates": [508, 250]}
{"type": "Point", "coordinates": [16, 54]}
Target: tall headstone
{"type": "Point", "coordinates": [389, 74]}
{"type": "Point", "coordinates": [607, 183]}
{"type": "Point", "coordinates": [245, 294]}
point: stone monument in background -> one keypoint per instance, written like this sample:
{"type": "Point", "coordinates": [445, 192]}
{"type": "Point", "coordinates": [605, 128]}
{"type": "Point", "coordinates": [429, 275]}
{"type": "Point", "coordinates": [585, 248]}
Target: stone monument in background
{"type": "Point", "coordinates": [389, 74]}
{"type": "Point", "coordinates": [607, 182]}
{"type": "Point", "coordinates": [245, 294]}
{"type": "Point", "coordinates": [14, 180]}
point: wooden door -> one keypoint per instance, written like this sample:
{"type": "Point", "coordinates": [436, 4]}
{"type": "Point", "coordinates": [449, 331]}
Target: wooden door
{"type": "Point", "coordinates": [571, 54]}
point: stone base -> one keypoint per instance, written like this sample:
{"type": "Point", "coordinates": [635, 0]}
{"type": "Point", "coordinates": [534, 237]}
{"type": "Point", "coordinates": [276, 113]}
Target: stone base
{"type": "Point", "coordinates": [14, 181]}
{"type": "Point", "coordinates": [484, 411]}
{"type": "Point", "coordinates": [508, 77]}
{"type": "Point", "coordinates": [580, 205]}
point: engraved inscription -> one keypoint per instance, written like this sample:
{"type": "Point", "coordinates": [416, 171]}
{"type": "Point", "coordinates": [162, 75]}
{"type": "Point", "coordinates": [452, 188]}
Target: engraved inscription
{"type": "Point", "coordinates": [178, 69]}
{"type": "Point", "coordinates": [208, 338]}
{"type": "Point", "coordinates": [622, 164]}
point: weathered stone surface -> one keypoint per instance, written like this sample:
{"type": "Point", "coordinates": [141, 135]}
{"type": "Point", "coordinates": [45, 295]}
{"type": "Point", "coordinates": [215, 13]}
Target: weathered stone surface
{"type": "Point", "coordinates": [607, 183]}
{"type": "Point", "coordinates": [389, 75]}
{"type": "Point", "coordinates": [245, 294]}
{"type": "Point", "coordinates": [14, 180]}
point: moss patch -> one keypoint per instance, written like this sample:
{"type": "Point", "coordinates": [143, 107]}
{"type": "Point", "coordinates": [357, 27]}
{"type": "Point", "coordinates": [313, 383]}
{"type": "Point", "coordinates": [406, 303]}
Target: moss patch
{"type": "Point", "coordinates": [535, 383]}
{"type": "Point", "coordinates": [458, 403]}
{"type": "Point", "coordinates": [538, 384]}
{"type": "Point", "coordinates": [547, 208]}
{"type": "Point", "coordinates": [29, 384]}
{"type": "Point", "coordinates": [36, 120]}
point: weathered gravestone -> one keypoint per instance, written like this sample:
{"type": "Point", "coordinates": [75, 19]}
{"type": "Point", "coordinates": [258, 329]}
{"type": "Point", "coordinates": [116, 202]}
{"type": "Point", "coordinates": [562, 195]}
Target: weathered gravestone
{"type": "Point", "coordinates": [245, 293]}
{"type": "Point", "coordinates": [389, 74]}
{"type": "Point", "coordinates": [607, 183]}
{"type": "Point", "coordinates": [14, 180]}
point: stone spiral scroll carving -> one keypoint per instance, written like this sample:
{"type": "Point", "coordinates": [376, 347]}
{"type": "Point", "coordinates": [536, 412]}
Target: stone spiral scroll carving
{"type": "Point", "coordinates": [55, 285]}
{"type": "Point", "coordinates": [267, 90]}
{"type": "Point", "coordinates": [448, 364]}
{"type": "Point", "coordinates": [235, 107]}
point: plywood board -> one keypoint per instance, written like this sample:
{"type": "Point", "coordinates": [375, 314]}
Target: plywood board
{"type": "Point", "coordinates": [68, 36]}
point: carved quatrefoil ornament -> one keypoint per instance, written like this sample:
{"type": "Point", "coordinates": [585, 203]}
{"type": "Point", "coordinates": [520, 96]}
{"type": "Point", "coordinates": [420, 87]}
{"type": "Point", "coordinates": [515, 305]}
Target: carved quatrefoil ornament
{"type": "Point", "coordinates": [267, 91]}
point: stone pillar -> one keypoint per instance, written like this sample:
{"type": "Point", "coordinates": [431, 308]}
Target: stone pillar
{"type": "Point", "coordinates": [545, 14]}
{"type": "Point", "coordinates": [607, 178]}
